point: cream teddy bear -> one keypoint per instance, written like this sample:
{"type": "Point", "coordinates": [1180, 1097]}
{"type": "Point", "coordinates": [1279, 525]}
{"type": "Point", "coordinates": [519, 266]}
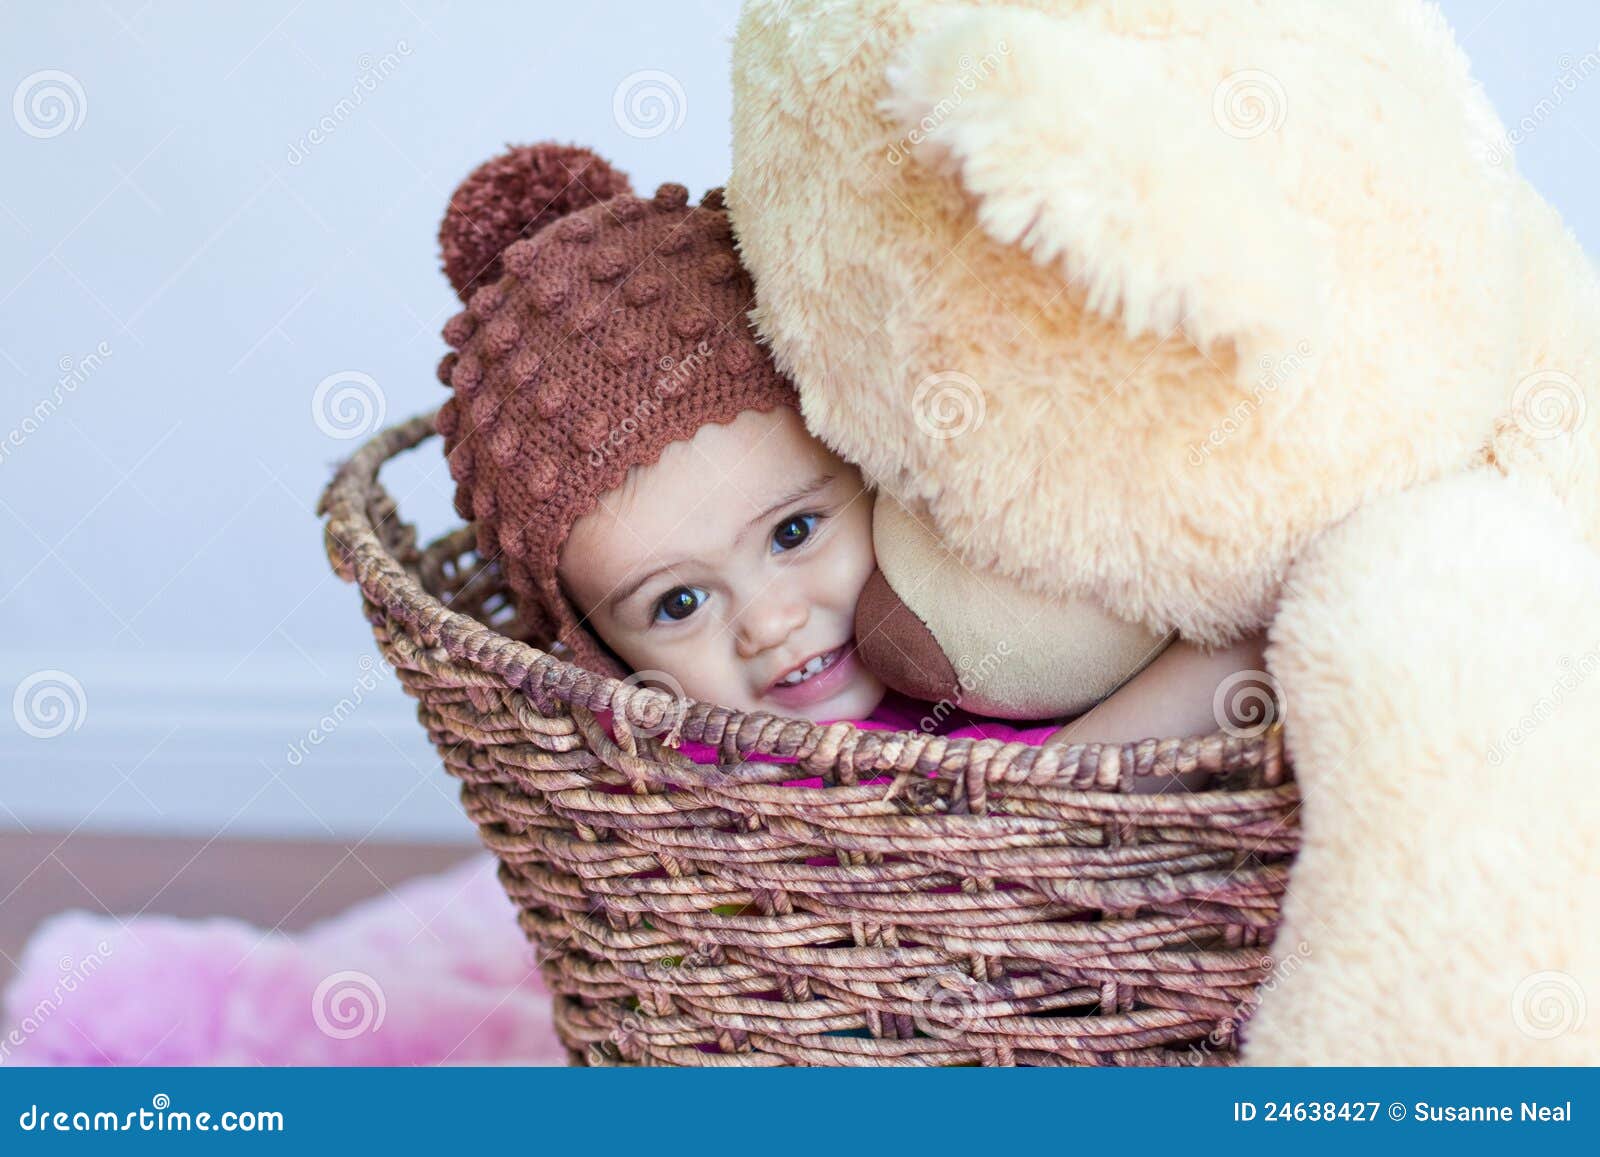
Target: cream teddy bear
{"type": "Point", "coordinates": [1207, 318]}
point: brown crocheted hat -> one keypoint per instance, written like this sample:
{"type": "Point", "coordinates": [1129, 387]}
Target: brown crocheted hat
{"type": "Point", "coordinates": [589, 344]}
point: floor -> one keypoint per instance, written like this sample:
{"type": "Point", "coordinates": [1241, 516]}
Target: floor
{"type": "Point", "coordinates": [272, 883]}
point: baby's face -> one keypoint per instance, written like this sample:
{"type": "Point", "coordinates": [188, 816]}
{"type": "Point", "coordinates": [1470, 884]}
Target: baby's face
{"type": "Point", "coordinates": [730, 563]}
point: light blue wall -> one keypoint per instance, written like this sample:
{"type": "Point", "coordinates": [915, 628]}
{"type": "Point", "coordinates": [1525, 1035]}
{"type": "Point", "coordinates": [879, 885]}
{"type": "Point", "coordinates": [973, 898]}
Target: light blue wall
{"type": "Point", "coordinates": [156, 536]}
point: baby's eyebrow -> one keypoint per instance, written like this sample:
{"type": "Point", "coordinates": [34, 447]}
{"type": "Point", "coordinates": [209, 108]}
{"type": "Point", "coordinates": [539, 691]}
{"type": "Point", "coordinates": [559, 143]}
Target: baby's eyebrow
{"type": "Point", "coordinates": [626, 593]}
{"type": "Point", "coordinates": [804, 491]}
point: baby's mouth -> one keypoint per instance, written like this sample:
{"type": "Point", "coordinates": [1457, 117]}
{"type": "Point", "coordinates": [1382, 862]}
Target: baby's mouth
{"type": "Point", "coordinates": [810, 669]}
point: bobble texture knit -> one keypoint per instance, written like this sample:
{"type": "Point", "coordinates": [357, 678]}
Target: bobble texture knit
{"type": "Point", "coordinates": [599, 328]}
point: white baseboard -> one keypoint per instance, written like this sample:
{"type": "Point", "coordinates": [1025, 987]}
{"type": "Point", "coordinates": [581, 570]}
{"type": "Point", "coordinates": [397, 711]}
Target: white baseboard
{"type": "Point", "coordinates": [291, 745]}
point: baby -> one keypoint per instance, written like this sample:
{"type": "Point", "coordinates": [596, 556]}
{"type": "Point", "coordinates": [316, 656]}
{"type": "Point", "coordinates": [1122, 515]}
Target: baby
{"type": "Point", "coordinates": [734, 563]}
{"type": "Point", "coordinates": [642, 470]}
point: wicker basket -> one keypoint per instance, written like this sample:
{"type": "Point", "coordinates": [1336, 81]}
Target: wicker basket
{"type": "Point", "coordinates": [935, 902]}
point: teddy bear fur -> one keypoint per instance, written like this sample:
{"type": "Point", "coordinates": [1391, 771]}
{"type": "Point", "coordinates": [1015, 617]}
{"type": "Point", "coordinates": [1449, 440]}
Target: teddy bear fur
{"type": "Point", "coordinates": [1249, 323]}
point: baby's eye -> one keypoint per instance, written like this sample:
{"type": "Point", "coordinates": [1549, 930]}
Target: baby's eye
{"type": "Point", "coordinates": [679, 603]}
{"type": "Point", "coordinates": [793, 532]}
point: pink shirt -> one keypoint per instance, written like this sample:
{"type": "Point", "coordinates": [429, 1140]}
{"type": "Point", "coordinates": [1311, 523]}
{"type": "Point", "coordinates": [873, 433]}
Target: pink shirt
{"type": "Point", "coordinates": [901, 713]}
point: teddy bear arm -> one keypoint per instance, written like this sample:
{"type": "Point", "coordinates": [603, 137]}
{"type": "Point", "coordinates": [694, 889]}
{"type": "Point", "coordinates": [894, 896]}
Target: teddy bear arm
{"type": "Point", "coordinates": [1439, 660]}
{"type": "Point", "coordinates": [899, 648]}
{"type": "Point", "coordinates": [936, 628]}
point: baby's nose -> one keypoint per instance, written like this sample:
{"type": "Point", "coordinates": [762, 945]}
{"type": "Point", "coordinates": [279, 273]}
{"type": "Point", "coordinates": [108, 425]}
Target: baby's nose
{"type": "Point", "coordinates": [768, 621]}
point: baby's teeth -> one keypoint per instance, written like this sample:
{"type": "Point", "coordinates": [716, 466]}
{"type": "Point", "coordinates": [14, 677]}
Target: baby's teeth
{"type": "Point", "coordinates": [807, 671]}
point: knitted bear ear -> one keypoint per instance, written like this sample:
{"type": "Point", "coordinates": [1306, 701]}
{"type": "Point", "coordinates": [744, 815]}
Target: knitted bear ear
{"type": "Point", "coordinates": [513, 196]}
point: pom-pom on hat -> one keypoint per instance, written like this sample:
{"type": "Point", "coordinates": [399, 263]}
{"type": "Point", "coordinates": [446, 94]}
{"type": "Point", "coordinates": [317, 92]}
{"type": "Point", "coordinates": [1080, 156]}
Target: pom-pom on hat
{"type": "Point", "coordinates": [600, 328]}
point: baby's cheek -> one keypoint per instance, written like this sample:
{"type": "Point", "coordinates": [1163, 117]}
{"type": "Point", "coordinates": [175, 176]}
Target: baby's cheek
{"type": "Point", "coordinates": [850, 563]}
{"type": "Point", "coordinates": [858, 562]}
{"type": "Point", "coordinates": [707, 670]}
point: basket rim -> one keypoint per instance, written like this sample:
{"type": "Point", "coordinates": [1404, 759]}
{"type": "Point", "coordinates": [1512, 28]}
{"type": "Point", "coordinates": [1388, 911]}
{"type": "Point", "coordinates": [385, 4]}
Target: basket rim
{"type": "Point", "coordinates": [358, 556]}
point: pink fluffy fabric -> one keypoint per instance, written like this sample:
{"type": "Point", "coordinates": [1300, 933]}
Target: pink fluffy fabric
{"type": "Point", "coordinates": [434, 972]}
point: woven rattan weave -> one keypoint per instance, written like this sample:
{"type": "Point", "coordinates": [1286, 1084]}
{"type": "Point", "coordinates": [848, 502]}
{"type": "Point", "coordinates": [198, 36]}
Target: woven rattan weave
{"type": "Point", "coordinates": [935, 901]}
